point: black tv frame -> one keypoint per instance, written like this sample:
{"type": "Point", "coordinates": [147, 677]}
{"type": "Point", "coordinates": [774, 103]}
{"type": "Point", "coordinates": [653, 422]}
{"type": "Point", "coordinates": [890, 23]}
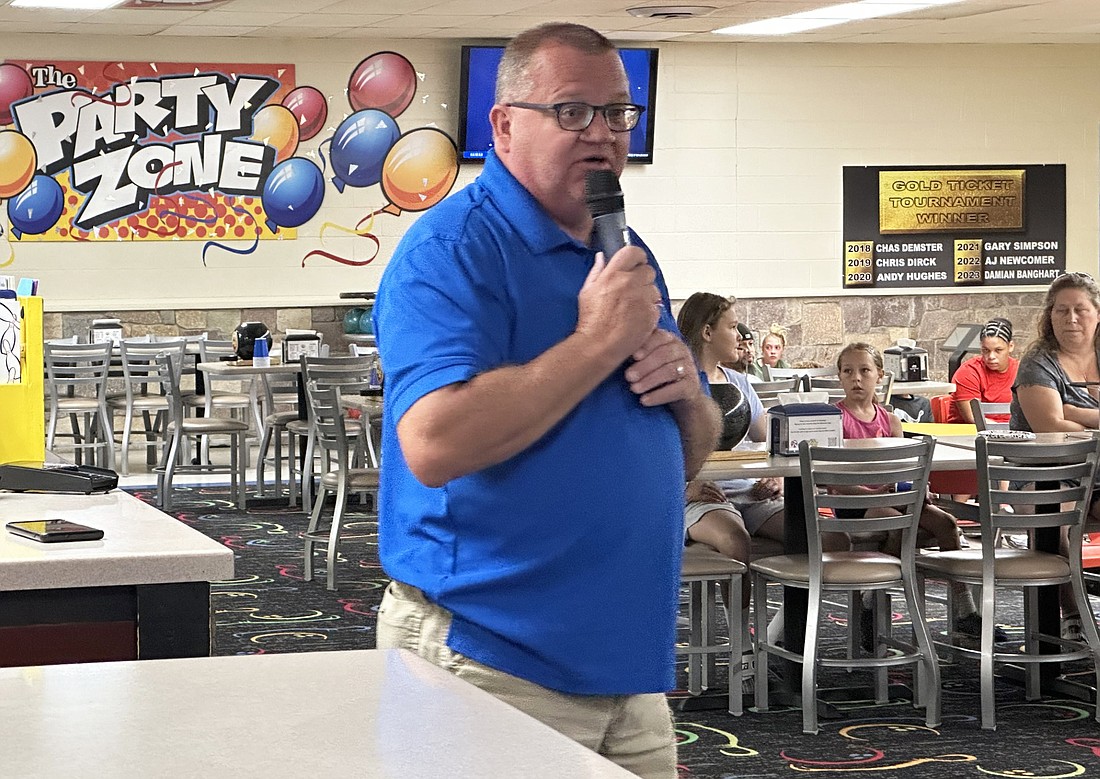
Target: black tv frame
{"type": "Point", "coordinates": [649, 117]}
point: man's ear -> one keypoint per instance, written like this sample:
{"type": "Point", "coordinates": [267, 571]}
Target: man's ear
{"type": "Point", "coordinates": [501, 122]}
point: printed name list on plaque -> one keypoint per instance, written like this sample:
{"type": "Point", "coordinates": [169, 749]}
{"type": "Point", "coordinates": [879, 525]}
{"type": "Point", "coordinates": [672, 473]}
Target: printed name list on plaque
{"type": "Point", "coordinates": [953, 227]}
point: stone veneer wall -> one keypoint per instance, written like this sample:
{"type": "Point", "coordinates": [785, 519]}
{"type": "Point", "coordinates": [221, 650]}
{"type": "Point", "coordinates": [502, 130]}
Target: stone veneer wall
{"type": "Point", "coordinates": [218, 323]}
{"type": "Point", "coordinates": [816, 327]}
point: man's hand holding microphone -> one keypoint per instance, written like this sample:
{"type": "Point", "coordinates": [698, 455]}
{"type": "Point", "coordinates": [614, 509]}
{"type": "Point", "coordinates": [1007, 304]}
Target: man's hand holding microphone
{"type": "Point", "coordinates": [620, 304]}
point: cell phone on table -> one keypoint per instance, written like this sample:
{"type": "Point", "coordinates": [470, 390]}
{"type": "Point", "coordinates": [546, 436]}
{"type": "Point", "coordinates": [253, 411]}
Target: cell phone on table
{"type": "Point", "coordinates": [50, 531]}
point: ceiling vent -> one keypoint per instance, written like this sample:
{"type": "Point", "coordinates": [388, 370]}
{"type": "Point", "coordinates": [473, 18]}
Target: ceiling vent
{"type": "Point", "coordinates": [670, 11]}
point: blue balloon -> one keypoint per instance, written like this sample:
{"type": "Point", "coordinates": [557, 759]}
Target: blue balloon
{"type": "Point", "coordinates": [293, 193]}
{"type": "Point", "coordinates": [37, 208]}
{"type": "Point", "coordinates": [360, 146]}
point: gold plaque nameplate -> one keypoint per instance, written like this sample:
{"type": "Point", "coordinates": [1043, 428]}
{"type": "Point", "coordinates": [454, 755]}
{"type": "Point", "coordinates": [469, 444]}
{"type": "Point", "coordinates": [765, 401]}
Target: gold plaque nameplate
{"type": "Point", "coordinates": [950, 201]}
{"type": "Point", "coordinates": [859, 263]}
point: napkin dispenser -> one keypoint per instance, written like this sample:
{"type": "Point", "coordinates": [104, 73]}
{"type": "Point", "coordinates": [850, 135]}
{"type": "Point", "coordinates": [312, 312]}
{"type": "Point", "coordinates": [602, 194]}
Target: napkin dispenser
{"type": "Point", "coordinates": [906, 360]}
{"type": "Point", "coordinates": [297, 344]}
{"type": "Point", "coordinates": [104, 331]}
{"type": "Point", "coordinates": [803, 416]}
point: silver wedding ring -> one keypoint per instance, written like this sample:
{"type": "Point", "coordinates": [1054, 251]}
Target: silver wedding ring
{"type": "Point", "coordinates": [679, 371]}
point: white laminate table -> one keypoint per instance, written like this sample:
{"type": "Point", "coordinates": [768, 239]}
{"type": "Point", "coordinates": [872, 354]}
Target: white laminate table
{"type": "Point", "coordinates": [142, 591]}
{"type": "Point", "coordinates": [371, 713]}
{"type": "Point", "coordinates": [922, 388]}
{"type": "Point", "coordinates": [944, 458]}
{"type": "Point", "coordinates": [243, 368]}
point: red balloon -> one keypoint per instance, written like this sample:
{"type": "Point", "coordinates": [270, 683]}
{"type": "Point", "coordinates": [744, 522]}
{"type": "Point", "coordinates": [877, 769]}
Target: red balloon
{"type": "Point", "coordinates": [385, 81]}
{"type": "Point", "coordinates": [310, 109]}
{"type": "Point", "coordinates": [15, 85]}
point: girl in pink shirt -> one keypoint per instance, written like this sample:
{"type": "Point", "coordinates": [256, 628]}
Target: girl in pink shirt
{"type": "Point", "coordinates": [859, 366]}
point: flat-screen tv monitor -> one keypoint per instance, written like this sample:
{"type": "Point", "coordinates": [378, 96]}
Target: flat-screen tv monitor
{"type": "Point", "coordinates": [478, 87]}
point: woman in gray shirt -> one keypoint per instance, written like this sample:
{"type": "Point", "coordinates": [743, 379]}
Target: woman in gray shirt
{"type": "Point", "coordinates": [1058, 384]}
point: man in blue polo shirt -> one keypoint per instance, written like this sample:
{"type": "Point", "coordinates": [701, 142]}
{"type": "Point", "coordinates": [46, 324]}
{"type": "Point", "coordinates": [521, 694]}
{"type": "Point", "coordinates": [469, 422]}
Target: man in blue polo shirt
{"type": "Point", "coordinates": [541, 416]}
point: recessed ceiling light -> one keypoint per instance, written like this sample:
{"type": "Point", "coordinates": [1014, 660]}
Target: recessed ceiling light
{"type": "Point", "coordinates": [66, 5]}
{"type": "Point", "coordinates": [831, 15]}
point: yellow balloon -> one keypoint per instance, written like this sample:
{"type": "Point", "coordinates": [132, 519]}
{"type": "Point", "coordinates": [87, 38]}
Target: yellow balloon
{"type": "Point", "coordinates": [419, 170]}
{"type": "Point", "coordinates": [18, 161]}
{"type": "Point", "coordinates": [275, 126]}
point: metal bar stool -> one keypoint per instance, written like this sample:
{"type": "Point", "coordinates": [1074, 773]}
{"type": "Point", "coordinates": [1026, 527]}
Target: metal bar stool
{"type": "Point", "coordinates": [703, 569]}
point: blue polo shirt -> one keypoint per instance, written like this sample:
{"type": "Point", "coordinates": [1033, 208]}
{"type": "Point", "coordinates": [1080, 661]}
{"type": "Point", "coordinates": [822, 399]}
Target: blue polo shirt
{"type": "Point", "coordinates": [561, 565]}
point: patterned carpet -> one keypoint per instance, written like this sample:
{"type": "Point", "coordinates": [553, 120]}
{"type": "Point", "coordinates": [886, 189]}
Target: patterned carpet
{"type": "Point", "coordinates": [269, 608]}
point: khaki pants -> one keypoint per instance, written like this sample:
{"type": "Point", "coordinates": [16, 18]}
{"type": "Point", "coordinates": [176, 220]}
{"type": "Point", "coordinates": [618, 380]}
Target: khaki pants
{"type": "Point", "coordinates": [634, 731]}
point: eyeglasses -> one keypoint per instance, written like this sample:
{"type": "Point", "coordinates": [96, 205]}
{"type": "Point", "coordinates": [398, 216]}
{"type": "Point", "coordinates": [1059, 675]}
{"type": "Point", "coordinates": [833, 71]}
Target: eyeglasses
{"type": "Point", "coordinates": [575, 117]}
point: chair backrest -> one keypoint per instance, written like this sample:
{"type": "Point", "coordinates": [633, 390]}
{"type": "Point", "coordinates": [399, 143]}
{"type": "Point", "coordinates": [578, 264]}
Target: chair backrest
{"type": "Point", "coordinates": [337, 371]}
{"type": "Point", "coordinates": [806, 374]}
{"type": "Point", "coordinates": [786, 373]}
{"type": "Point", "coordinates": [832, 385]}
{"type": "Point", "coordinates": [279, 389]}
{"type": "Point", "coordinates": [768, 391]}
{"type": "Point", "coordinates": [983, 413]}
{"type": "Point", "coordinates": [139, 362]}
{"type": "Point", "coordinates": [79, 369]}
{"type": "Point", "coordinates": [168, 372]}
{"type": "Point", "coordinates": [326, 413]}
{"type": "Point", "coordinates": [771, 387]}
{"type": "Point", "coordinates": [1063, 474]}
{"type": "Point", "coordinates": [211, 350]}
{"type": "Point", "coordinates": [941, 405]}
{"type": "Point", "coordinates": [828, 471]}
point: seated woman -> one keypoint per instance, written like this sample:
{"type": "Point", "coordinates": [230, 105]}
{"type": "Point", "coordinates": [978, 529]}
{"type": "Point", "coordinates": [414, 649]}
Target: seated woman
{"type": "Point", "coordinates": [726, 515]}
{"type": "Point", "coordinates": [988, 377]}
{"type": "Point", "coordinates": [1058, 382]}
{"type": "Point", "coordinates": [771, 349]}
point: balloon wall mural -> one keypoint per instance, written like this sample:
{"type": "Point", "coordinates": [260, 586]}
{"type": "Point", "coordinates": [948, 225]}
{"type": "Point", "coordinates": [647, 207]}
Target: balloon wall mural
{"type": "Point", "coordinates": [310, 110]}
{"type": "Point", "coordinates": [277, 127]}
{"type": "Point", "coordinates": [419, 170]}
{"type": "Point", "coordinates": [386, 81]}
{"type": "Point", "coordinates": [260, 168]}
{"type": "Point", "coordinates": [36, 209]}
{"type": "Point", "coordinates": [15, 85]}
{"type": "Point", "coordinates": [414, 169]}
{"type": "Point", "coordinates": [293, 192]}
{"type": "Point", "coordinates": [359, 148]}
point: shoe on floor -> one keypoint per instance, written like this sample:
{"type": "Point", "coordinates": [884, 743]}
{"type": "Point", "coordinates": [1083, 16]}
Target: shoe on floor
{"type": "Point", "coordinates": [971, 625]}
{"type": "Point", "coordinates": [1071, 629]}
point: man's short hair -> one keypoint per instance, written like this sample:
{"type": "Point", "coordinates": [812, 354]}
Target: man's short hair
{"type": "Point", "coordinates": [513, 75]}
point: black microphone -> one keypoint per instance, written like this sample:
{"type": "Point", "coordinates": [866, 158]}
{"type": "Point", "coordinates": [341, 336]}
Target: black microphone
{"type": "Point", "coordinates": [605, 203]}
